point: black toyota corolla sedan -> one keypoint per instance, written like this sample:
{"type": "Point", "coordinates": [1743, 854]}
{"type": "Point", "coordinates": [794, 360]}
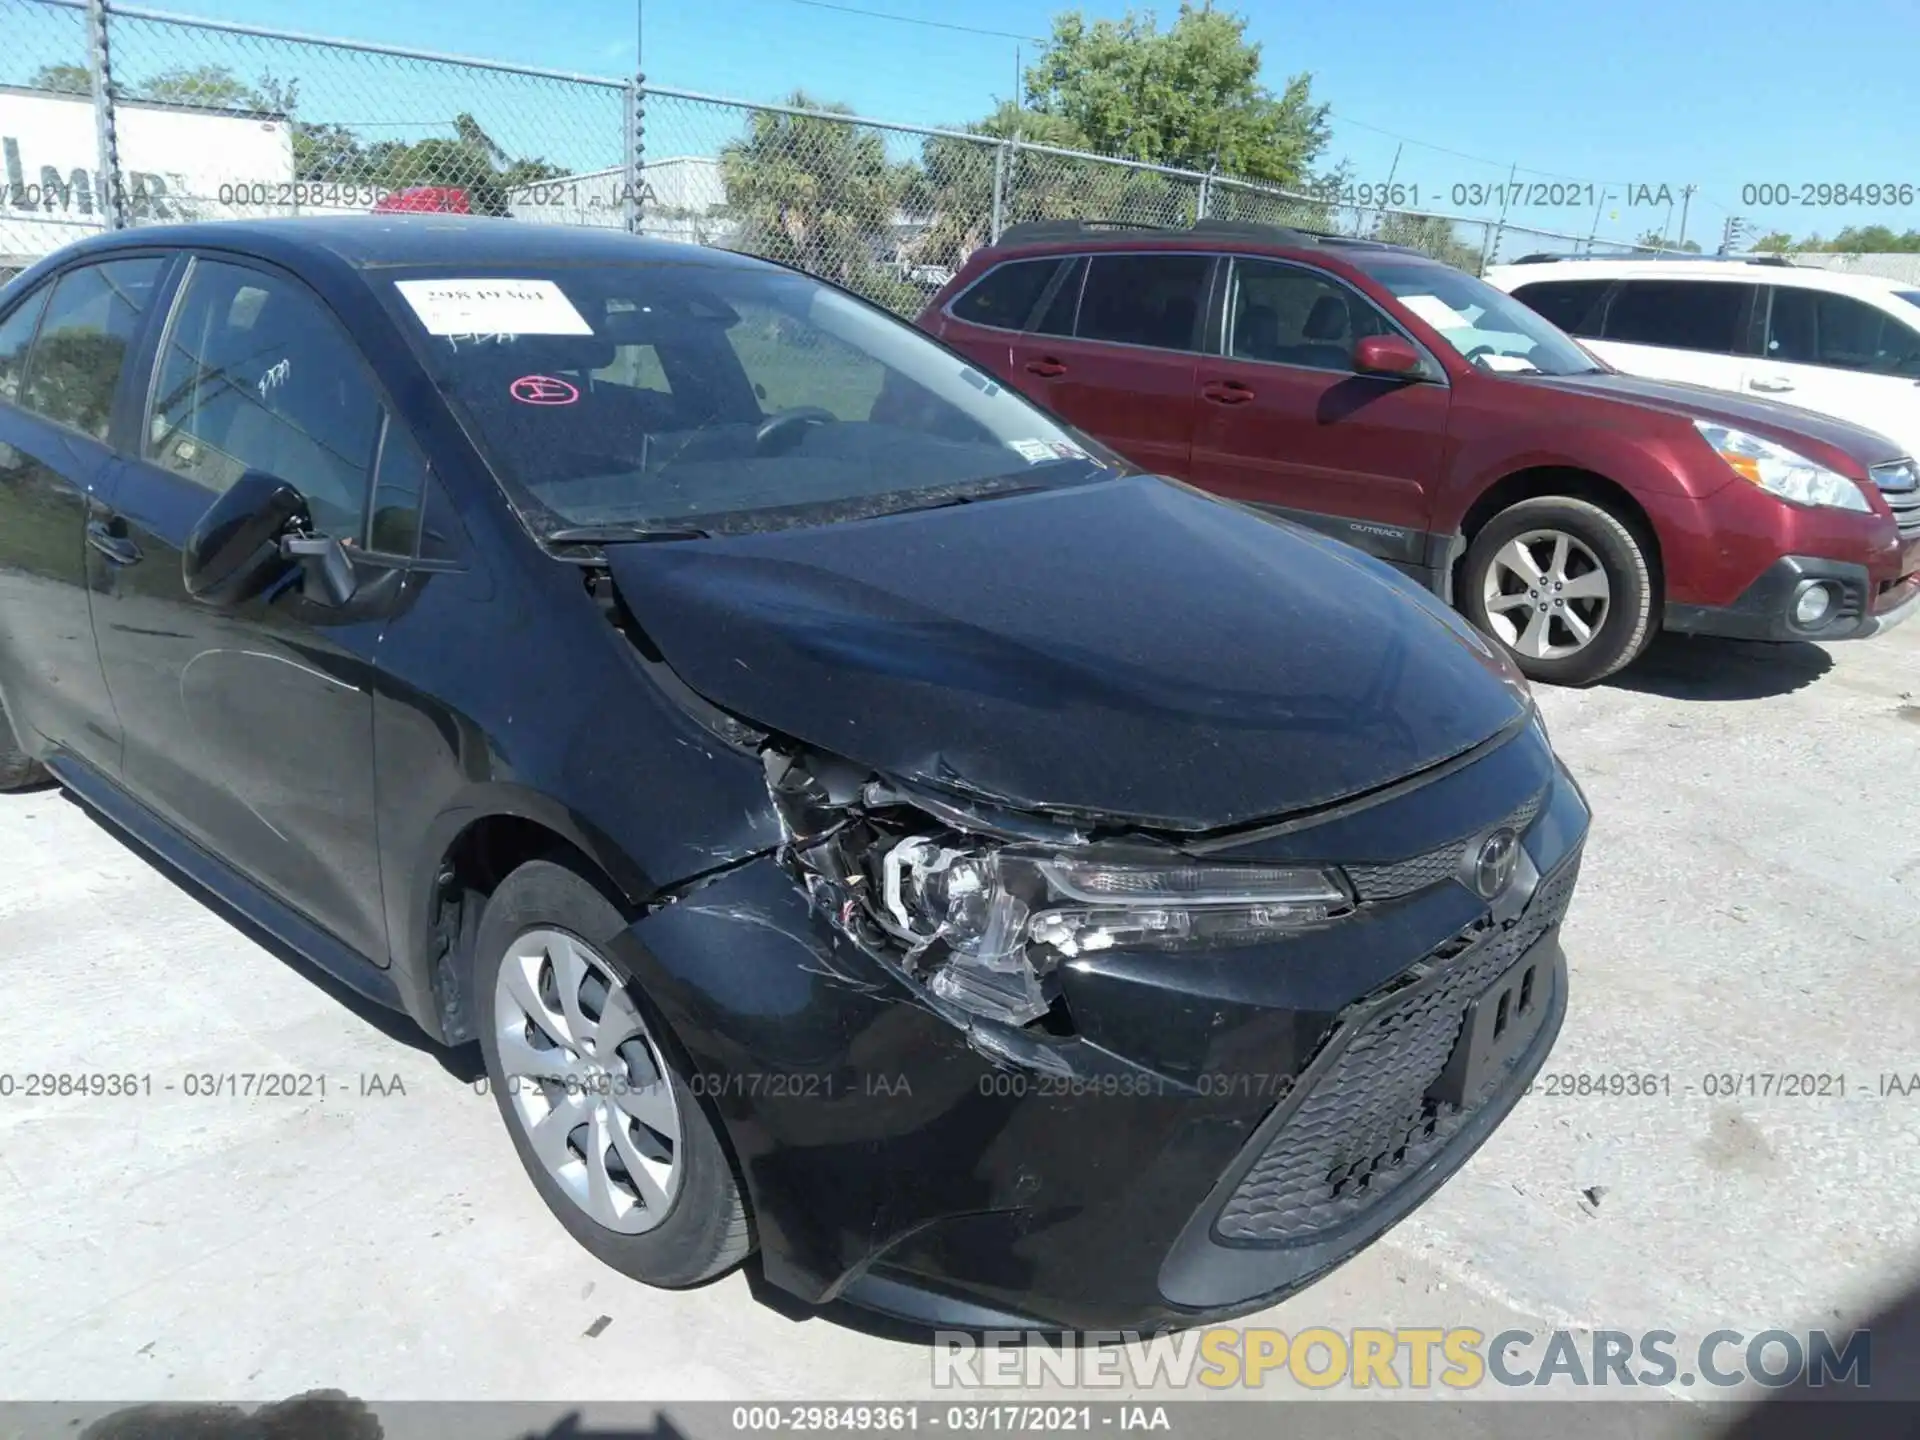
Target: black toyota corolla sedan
{"type": "Point", "coordinates": [858, 817]}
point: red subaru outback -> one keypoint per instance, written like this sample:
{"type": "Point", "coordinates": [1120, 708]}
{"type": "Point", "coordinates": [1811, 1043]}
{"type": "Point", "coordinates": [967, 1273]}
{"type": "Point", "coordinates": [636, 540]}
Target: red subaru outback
{"type": "Point", "coordinates": [1396, 403]}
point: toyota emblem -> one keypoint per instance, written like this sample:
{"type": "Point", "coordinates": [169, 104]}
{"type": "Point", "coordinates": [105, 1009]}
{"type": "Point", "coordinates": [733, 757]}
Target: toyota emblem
{"type": "Point", "coordinates": [1493, 870]}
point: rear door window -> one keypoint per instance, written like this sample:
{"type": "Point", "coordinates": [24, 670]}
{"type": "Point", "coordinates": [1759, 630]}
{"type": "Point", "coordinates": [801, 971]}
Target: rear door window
{"type": "Point", "coordinates": [1154, 300]}
{"type": "Point", "coordinates": [1006, 295]}
{"type": "Point", "coordinates": [1573, 305]}
{"type": "Point", "coordinates": [89, 326]}
{"type": "Point", "coordinates": [1708, 315]}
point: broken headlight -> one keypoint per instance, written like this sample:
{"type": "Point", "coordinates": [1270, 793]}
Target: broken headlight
{"type": "Point", "coordinates": [1006, 916]}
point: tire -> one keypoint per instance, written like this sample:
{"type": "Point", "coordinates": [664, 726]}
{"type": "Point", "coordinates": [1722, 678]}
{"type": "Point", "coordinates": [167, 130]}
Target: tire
{"type": "Point", "coordinates": [18, 770]}
{"type": "Point", "coordinates": [675, 1216]}
{"type": "Point", "coordinates": [1603, 621]}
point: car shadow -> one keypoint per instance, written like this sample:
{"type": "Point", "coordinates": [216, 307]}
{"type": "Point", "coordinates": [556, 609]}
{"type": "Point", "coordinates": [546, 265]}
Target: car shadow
{"type": "Point", "coordinates": [462, 1062]}
{"type": "Point", "coordinates": [1888, 1406]}
{"type": "Point", "coordinates": [1704, 667]}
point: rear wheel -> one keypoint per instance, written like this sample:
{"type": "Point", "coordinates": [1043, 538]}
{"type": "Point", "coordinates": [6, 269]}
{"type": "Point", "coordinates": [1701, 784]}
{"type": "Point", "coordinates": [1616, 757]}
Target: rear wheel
{"type": "Point", "coordinates": [1564, 585]}
{"type": "Point", "coordinates": [18, 770]}
{"type": "Point", "coordinates": [609, 1132]}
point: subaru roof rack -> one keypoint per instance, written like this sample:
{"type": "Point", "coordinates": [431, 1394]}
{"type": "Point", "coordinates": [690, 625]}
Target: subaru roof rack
{"type": "Point", "coordinates": [1080, 229]}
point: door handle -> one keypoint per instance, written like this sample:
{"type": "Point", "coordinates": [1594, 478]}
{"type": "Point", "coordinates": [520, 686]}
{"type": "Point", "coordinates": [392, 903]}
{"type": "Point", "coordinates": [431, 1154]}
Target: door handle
{"type": "Point", "coordinates": [117, 548]}
{"type": "Point", "coordinates": [1046, 365]}
{"type": "Point", "coordinates": [1773, 384]}
{"type": "Point", "coordinates": [1227, 392]}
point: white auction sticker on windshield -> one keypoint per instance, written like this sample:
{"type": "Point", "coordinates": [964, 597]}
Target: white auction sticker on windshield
{"type": "Point", "coordinates": [492, 307]}
{"type": "Point", "coordinates": [1436, 312]}
{"type": "Point", "coordinates": [1032, 451]}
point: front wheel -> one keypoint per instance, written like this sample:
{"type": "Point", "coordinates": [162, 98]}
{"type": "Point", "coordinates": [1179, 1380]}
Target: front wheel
{"type": "Point", "coordinates": [608, 1129]}
{"type": "Point", "coordinates": [1563, 585]}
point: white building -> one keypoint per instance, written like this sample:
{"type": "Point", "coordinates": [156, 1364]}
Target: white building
{"type": "Point", "coordinates": [177, 162]}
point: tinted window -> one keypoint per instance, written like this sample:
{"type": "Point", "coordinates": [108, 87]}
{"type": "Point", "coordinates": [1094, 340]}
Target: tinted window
{"type": "Point", "coordinates": [83, 341]}
{"type": "Point", "coordinates": [1064, 307]}
{"type": "Point", "coordinates": [1811, 327]}
{"type": "Point", "coordinates": [257, 375]}
{"type": "Point", "coordinates": [1680, 314]}
{"type": "Point", "coordinates": [16, 332]}
{"type": "Point", "coordinates": [1144, 299]}
{"type": "Point", "coordinates": [1005, 295]}
{"type": "Point", "coordinates": [1296, 317]}
{"type": "Point", "coordinates": [400, 476]}
{"type": "Point", "coordinates": [1570, 304]}
{"type": "Point", "coordinates": [785, 401]}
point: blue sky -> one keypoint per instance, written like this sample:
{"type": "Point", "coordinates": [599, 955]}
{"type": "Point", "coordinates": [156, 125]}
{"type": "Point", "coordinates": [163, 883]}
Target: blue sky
{"type": "Point", "coordinates": [1630, 93]}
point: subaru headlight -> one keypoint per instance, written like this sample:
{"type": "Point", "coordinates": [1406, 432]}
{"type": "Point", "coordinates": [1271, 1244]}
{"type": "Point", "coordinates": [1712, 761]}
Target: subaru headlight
{"type": "Point", "coordinates": [1782, 472]}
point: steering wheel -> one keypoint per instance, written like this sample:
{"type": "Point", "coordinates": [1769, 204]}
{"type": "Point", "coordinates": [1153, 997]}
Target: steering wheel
{"type": "Point", "coordinates": [782, 430]}
{"type": "Point", "coordinates": [1477, 351]}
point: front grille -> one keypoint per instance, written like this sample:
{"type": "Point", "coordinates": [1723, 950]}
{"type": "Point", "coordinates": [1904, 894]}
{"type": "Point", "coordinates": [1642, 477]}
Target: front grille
{"type": "Point", "coordinates": [1404, 877]}
{"type": "Point", "coordinates": [1900, 484]}
{"type": "Point", "coordinates": [1366, 1123]}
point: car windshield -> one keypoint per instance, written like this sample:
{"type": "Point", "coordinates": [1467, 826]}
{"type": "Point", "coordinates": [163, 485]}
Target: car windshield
{"type": "Point", "coordinates": [1488, 327]}
{"type": "Point", "coordinates": [1912, 297]}
{"type": "Point", "coordinates": [713, 394]}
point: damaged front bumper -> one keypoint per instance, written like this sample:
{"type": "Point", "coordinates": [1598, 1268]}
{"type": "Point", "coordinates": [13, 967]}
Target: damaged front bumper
{"type": "Point", "coordinates": [1179, 1132]}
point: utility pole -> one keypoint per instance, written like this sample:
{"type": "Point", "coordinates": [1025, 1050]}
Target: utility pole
{"type": "Point", "coordinates": [1686, 199]}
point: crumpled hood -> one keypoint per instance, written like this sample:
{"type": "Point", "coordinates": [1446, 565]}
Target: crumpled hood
{"type": "Point", "coordinates": [1126, 649]}
{"type": "Point", "coordinates": [1783, 423]}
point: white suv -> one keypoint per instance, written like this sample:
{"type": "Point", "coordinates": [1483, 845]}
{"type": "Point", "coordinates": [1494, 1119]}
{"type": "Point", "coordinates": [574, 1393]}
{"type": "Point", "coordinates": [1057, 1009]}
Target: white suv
{"type": "Point", "coordinates": [1844, 345]}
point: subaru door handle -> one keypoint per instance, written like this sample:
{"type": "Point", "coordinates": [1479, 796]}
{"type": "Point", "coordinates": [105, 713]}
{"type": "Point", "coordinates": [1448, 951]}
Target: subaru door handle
{"type": "Point", "coordinates": [117, 548]}
{"type": "Point", "coordinates": [1227, 392]}
{"type": "Point", "coordinates": [1773, 384]}
{"type": "Point", "coordinates": [1047, 366]}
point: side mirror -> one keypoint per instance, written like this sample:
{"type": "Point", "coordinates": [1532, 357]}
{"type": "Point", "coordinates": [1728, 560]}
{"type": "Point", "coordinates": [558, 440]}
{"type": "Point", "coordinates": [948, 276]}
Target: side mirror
{"type": "Point", "coordinates": [235, 551]}
{"type": "Point", "coordinates": [252, 536]}
{"type": "Point", "coordinates": [1385, 355]}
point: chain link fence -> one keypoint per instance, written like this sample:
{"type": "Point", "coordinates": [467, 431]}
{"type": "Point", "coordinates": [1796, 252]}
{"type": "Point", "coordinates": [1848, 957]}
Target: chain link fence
{"type": "Point", "coordinates": [112, 115]}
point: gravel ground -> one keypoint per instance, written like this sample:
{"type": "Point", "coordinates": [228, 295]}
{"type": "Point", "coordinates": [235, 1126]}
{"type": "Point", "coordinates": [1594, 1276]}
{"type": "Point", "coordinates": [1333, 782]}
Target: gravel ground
{"type": "Point", "coordinates": [1750, 908]}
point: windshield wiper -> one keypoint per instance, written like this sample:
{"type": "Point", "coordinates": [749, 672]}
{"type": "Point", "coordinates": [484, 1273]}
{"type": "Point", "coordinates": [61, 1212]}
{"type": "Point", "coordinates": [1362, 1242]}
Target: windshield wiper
{"type": "Point", "coordinates": [620, 534]}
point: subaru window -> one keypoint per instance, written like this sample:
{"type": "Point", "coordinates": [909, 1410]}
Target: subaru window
{"type": "Point", "coordinates": [1708, 315]}
{"type": "Point", "coordinates": [1815, 327]}
{"type": "Point", "coordinates": [1007, 294]}
{"type": "Point", "coordinates": [255, 374]}
{"type": "Point", "coordinates": [1290, 315]}
{"type": "Point", "coordinates": [719, 397]}
{"type": "Point", "coordinates": [1573, 305]}
{"type": "Point", "coordinates": [1062, 308]}
{"type": "Point", "coordinates": [90, 323]}
{"type": "Point", "coordinates": [1484, 325]}
{"type": "Point", "coordinates": [1153, 300]}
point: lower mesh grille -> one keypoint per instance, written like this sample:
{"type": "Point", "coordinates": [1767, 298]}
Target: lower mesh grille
{"type": "Point", "coordinates": [1367, 1124]}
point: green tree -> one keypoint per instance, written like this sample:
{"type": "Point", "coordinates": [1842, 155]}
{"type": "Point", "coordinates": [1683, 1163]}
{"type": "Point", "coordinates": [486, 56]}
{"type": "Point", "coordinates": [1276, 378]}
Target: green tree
{"type": "Point", "coordinates": [212, 86]}
{"type": "Point", "coordinates": [1430, 235]}
{"type": "Point", "coordinates": [68, 79]}
{"type": "Point", "coordinates": [1774, 242]}
{"type": "Point", "coordinates": [1188, 96]}
{"type": "Point", "coordinates": [819, 194]}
